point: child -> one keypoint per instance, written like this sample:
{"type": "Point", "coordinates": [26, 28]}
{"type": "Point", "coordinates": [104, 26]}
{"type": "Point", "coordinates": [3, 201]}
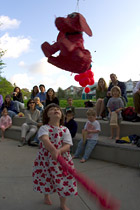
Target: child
{"type": "Point", "coordinates": [48, 175]}
{"type": "Point", "coordinates": [115, 104]}
{"type": "Point", "coordinates": [38, 104]}
{"type": "Point", "coordinates": [5, 122]}
{"type": "Point", "coordinates": [90, 133]}
{"type": "Point", "coordinates": [69, 106]}
{"type": "Point", "coordinates": [70, 123]}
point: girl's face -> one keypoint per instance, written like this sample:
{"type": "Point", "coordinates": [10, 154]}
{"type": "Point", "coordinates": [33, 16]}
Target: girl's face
{"type": "Point", "coordinates": [7, 99]}
{"type": "Point", "coordinates": [37, 101]}
{"type": "Point", "coordinates": [32, 104]}
{"type": "Point", "coordinates": [5, 112]}
{"type": "Point", "coordinates": [54, 113]}
{"type": "Point", "coordinates": [101, 83]}
{"type": "Point", "coordinates": [50, 92]}
{"type": "Point", "coordinates": [35, 89]}
{"type": "Point", "coordinates": [115, 93]}
{"type": "Point", "coordinates": [17, 90]}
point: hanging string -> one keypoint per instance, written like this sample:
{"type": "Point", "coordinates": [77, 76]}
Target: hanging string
{"type": "Point", "coordinates": [77, 6]}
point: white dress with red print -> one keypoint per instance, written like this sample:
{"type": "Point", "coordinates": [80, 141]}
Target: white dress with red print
{"type": "Point", "coordinates": [48, 175]}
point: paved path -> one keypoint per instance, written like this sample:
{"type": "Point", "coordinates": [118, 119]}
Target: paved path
{"type": "Point", "coordinates": [16, 182]}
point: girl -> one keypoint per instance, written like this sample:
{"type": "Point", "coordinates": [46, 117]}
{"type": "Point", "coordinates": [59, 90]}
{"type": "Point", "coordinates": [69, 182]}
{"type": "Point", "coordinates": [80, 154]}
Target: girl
{"type": "Point", "coordinates": [115, 104]}
{"type": "Point", "coordinates": [51, 97]}
{"type": "Point", "coordinates": [9, 104]}
{"type": "Point", "coordinates": [5, 122]}
{"type": "Point", "coordinates": [34, 92]}
{"type": "Point", "coordinates": [18, 99]}
{"type": "Point", "coordinates": [101, 92]}
{"type": "Point", "coordinates": [29, 128]}
{"type": "Point", "coordinates": [48, 175]}
{"type": "Point", "coordinates": [38, 104]}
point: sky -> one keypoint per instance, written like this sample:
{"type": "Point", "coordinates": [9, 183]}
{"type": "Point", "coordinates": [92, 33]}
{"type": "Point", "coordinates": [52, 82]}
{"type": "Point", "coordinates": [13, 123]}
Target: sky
{"type": "Point", "coordinates": [114, 46]}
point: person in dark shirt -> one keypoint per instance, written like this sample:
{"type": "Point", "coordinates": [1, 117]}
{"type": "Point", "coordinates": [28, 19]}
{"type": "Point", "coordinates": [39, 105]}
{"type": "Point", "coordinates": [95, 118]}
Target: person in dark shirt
{"type": "Point", "coordinates": [18, 99]}
{"type": "Point", "coordinates": [51, 97]}
{"type": "Point", "coordinates": [70, 123]}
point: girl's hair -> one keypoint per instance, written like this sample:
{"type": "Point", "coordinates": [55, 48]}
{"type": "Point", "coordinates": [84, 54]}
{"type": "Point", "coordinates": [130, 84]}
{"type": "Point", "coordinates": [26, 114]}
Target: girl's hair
{"type": "Point", "coordinates": [46, 119]}
{"type": "Point", "coordinates": [37, 98]}
{"type": "Point", "coordinates": [33, 93]}
{"type": "Point", "coordinates": [5, 109]}
{"type": "Point", "coordinates": [91, 112]}
{"type": "Point", "coordinates": [47, 96]}
{"type": "Point", "coordinates": [16, 88]}
{"type": "Point", "coordinates": [7, 104]}
{"type": "Point", "coordinates": [98, 85]}
{"type": "Point", "coordinates": [30, 100]}
{"type": "Point", "coordinates": [116, 88]}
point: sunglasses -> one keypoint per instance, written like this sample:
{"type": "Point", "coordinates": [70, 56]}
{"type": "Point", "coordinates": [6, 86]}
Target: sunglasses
{"type": "Point", "coordinates": [32, 102]}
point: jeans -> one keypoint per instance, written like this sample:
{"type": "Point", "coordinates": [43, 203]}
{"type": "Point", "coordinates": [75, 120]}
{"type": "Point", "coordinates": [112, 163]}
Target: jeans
{"type": "Point", "coordinates": [11, 113]}
{"type": "Point", "coordinates": [18, 106]}
{"type": "Point", "coordinates": [88, 147]}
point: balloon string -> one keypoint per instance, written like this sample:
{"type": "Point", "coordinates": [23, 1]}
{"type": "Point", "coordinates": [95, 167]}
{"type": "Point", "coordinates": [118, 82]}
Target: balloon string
{"type": "Point", "coordinates": [77, 6]}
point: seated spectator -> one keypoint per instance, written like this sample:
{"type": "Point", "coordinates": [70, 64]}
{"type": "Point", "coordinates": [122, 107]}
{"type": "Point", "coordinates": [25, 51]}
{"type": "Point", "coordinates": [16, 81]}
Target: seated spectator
{"type": "Point", "coordinates": [42, 94]}
{"type": "Point", "coordinates": [121, 85]}
{"type": "Point", "coordinates": [115, 104]}
{"type": "Point", "coordinates": [34, 92]}
{"type": "Point", "coordinates": [69, 106]}
{"type": "Point", "coordinates": [5, 122]}
{"type": "Point", "coordinates": [101, 93]}
{"type": "Point", "coordinates": [9, 104]}
{"type": "Point", "coordinates": [70, 123]}
{"type": "Point", "coordinates": [136, 99]}
{"type": "Point", "coordinates": [33, 121]}
{"type": "Point", "coordinates": [90, 135]}
{"type": "Point", "coordinates": [1, 100]}
{"type": "Point", "coordinates": [38, 104]}
{"type": "Point", "coordinates": [18, 99]}
{"type": "Point", "coordinates": [51, 97]}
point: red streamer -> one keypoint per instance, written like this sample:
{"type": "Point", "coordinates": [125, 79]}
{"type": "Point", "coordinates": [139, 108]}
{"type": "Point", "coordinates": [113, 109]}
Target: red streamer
{"type": "Point", "coordinates": [105, 201]}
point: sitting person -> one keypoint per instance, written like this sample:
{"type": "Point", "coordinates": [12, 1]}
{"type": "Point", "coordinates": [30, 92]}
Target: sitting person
{"type": "Point", "coordinates": [70, 123]}
{"type": "Point", "coordinates": [5, 122]}
{"type": "Point", "coordinates": [18, 99]}
{"type": "Point", "coordinates": [51, 97]}
{"type": "Point", "coordinates": [121, 85]}
{"type": "Point", "coordinates": [101, 93]}
{"type": "Point", "coordinates": [136, 99]}
{"type": "Point", "coordinates": [69, 106]}
{"type": "Point", "coordinates": [34, 92]}
{"type": "Point", "coordinates": [115, 104]}
{"type": "Point", "coordinates": [33, 121]}
{"type": "Point", "coordinates": [42, 94]}
{"type": "Point", "coordinates": [9, 104]}
{"type": "Point", "coordinates": [90, 136]}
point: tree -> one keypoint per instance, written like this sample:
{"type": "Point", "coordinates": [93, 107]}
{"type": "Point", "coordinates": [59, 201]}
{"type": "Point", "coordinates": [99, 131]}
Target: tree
{"type": "Point", "coordinates": [60, 93]}
{"type": "Point", "coordinates": [1, 62]}
{"type": "Point", "coordinates": [5, 87]}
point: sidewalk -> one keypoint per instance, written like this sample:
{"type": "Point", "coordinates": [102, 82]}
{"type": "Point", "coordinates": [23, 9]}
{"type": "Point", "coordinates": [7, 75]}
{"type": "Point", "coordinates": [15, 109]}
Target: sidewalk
{"type": "Point", "coordinates": [16, 181]}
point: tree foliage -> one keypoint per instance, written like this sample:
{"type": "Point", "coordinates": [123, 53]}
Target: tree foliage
{"type": "Point", "coordinates": [5, 87]}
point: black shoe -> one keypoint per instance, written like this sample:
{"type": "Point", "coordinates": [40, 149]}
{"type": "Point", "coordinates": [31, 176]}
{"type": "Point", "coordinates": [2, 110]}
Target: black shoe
{"type": "Point", "coordinates": [136, 120]}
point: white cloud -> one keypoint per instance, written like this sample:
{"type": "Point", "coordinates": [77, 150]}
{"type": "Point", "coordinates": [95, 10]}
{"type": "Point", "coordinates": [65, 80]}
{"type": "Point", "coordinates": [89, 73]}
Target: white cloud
{"type": "Point", "coordinates": [22, 80]}
{"type": "Point", "coordinates": [14, 46]}
{"type": "Point", "coordinates": [7, 23]}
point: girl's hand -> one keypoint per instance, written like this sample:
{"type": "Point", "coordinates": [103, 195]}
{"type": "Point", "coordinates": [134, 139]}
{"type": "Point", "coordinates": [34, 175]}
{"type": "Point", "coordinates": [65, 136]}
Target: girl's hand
{"type": "Point", "coordinates": [55, 154]}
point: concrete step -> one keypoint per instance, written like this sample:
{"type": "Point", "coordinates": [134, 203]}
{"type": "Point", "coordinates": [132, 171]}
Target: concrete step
{"type": "Point", "coordinates": [126, 128]}
{"type": "Point", "coordinates": [18, 121]}
{"type": "Point", "coordinates": [108, 150]}
{"type": "Point", "coordinates": [80, 112]}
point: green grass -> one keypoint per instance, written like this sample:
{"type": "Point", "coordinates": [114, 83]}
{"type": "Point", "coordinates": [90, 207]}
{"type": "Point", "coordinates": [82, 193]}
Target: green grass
{"type": "Point", "coordinates": [80, 102]}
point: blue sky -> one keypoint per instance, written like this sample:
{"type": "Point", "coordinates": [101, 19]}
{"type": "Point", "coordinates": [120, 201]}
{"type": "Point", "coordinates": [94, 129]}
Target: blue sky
{"type": "Point", "coordinates": [27, 24]}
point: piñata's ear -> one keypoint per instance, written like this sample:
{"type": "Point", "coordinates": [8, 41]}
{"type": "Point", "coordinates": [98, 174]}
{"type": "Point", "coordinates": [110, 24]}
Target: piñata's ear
{"type": "Point", "coordinates": [85, 27]}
